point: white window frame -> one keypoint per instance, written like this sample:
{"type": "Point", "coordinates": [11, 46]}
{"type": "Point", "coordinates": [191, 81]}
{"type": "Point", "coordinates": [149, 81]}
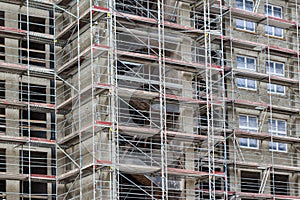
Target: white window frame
{"type": "Point", "coordinates": [245, 66]}
{"type": "Point", "coordinates": [272, 14]}
{"type": "Point", "coordinates": [246, 63]}
{"type": "Point", "coordinates": [245, 27]}
{"type": "Point", "coordinates": [247, 84]}
{"type": "Point", "coordinates": [274, 72]}
{"type": "Point", "coordinates": [276, 131]}
{"type": "Point", "coordinates": [244, 5]}
{"type": "Point", "coordinates": [250, 129]}
{"type": "Point", "coordinates": [276, 89]}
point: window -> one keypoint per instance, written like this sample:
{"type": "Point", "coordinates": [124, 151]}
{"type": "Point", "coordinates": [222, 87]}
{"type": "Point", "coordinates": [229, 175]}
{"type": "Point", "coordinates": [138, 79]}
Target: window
{"type": "Point", "coordinates": [276, 69]}
{"type": "Point", "coordinates": [248, 123]}
{"type": "Point", "coordinates": [37, 54]}
{"type": "Point", "coordinates": [36, 24]}
{"type": "Point", "coordinates": [36, 93]}
{"type": "Point", "coordinates": [249, 64]}
{"type": "Point", "coordinates": [2, 169]}
{"type": "Point", "coordinates": [246, 63]}
{"type": "Point", "coordinates": [277, 127]}
{"type": "Point", "coordinates": [280, 185]}
{"type": "Point", "coordinates": [38, 124]}
{"type": "Point", "coordinates": [246, 83]}
{"type": "Point", "coordinates": [276, 89]}
{"type": "Point", "coordinates": [244, 24]}
{"type": "Point", "coordinates": [244, 5]}
{"type": "Point", "coordinates": [250, 181]}
{"type": "Point", "coordinates": [273, 11]}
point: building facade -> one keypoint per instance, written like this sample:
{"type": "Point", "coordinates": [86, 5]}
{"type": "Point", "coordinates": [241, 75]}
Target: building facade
{"type": "Point", "coordinates": [149, 99]}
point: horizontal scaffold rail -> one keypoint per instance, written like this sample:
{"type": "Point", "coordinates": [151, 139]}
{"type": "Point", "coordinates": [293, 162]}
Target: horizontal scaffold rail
{"type": "Point", "coordinates": [40, 72]}
{"type": "Point", "coordinates": [41, 142]}
{"type": "Point", "coordinates": [263, 77]}
{"type": "Point", "coordinates": [255, 195]}
{"type": "Point", "coordinates": [16, 33]}
{"type": "Point", "coordinates": [253, 104]}
{"type": "Point", "coordinates": [47, 107]}
{"type": "Point", "coordinates": [142, 169]}
{"type": "Point", "coordinates": [256, 46]}
{"type": "Point", "coordinates": [41, 4]}
{"type": "Point", "coordinates": [86, 170]}
{"type": "Point", "coordinates": [177, 135]}
{"type": "Point", "coordinates": [267, 136]}
{"type": "Point", "coordinates": [26, 177]}
{"type": "Point", "coordinates": [255, 165]}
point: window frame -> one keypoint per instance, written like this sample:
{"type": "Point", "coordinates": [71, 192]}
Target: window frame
{"type": "Point", "coordinates": [250, 129]}
{"type": "Point", "coordinates": [247, 87]}
{"type": "Point", "coordinates": [272, 14]}
{"type": "Point", "coordinates": [244, 4]}
{"type": "Point", "coordinates": [244, 7]}
{"type": "Point", "coordinates": [279, 133]}
{"type": "Point", "coordinates": [276, 86]}
{"type": "Point", "coordinates": [246, 68]}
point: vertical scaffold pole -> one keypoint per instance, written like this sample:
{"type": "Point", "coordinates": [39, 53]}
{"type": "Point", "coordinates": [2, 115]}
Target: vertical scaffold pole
{"type": "Point", "coordinates": [162, 97]}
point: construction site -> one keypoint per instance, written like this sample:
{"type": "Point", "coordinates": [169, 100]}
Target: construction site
{"type": "Point", "coordinates": [149, 99]}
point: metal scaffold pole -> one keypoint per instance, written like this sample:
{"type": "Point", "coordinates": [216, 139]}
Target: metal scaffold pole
{"type": "Point", "coordinates": [114, 99]}
{"type": "Point", "coordinates": [162, 98]}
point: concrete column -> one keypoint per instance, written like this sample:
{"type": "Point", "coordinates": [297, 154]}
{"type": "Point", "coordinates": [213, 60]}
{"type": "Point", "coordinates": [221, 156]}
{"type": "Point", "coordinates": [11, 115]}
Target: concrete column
{"type": "Point", "coordinates": [12, 162]}
{"type": "Point", "coordinates": [186, 113]}
{"type": "Point", "coordinates": [11, 45]}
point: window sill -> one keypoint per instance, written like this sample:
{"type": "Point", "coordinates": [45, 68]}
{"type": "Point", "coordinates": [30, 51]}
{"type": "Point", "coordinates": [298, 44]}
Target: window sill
{"type": "Point", "coordinates": [274, 37]}
{"type": "Point", "coordinates": [276, 94]}
{"type": "Point", "coordinates": [277, 151]}
{"type": "Point", "coordinates": [246, 31]}
{"type": "Point", "coordinates": [249, 89]}
{"type": "Point", "coordinates": [250, 148]}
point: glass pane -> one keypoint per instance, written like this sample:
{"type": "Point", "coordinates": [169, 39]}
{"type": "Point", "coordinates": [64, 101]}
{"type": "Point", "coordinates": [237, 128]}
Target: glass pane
{"type": "Point", "coordinates": [252, 122]}
{"type": "Point", "coordinates": [282, 147]}
{"type": "Point", "coordinates": [278, 32]}
{"type": "Point", "coordinates": [277, 12]}
{"type": "Point", "coordinates": [251, 84]}
{"type": "Point", "coordinates": [280, 89]}
{"type": "Point", "coordinates": [271, 87]}
{"type": "Point", "coordinates": [241, 82]}
{"type": "Point", "coordinates": [269, 11]}
{"type": "Point", "coordinates": [243, 142]}
{"type": "Point", "coordinates": [251, 63]}
{"type": "Point", "coordinates": [240, 24]}
{"type": "Point", "coordinates": [240, 62]}
{"type": "Point", "coordinates": [269, 30]}
{"type": "Point", "coordinates": [249, 26]}
{"type": "Point", "coordinates": [271, 66]}
{"type": "Point", "coordinates": [239, 4]}
{"type": "Point", "coordinates": [269, 125]}
{"type": "Point", "coordinates": [281, 126]}
{"type": "Point", "coordinates": [253, 143]}
{"type": "Point", "coordinates": [272, 145]}
{"type": "Point", "coordinates": [279, 68]}
{"type": "Point", "coordinates": [243, 121]}
{"type": "Point", "coordinates": [272, 125]}
{"type": "Point", "coordinates": [249, 5]}
{"type": "Point", "coordinates": [267, 67]}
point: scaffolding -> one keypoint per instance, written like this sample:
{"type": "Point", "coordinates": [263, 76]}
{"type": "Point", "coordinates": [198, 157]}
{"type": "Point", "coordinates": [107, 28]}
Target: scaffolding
{"type": "Point", "coordinates": [27, 99]}
{"type": "Point", "coordinates": [178, 99]}
{"type": "Point", "coordinates": [149, 99]}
